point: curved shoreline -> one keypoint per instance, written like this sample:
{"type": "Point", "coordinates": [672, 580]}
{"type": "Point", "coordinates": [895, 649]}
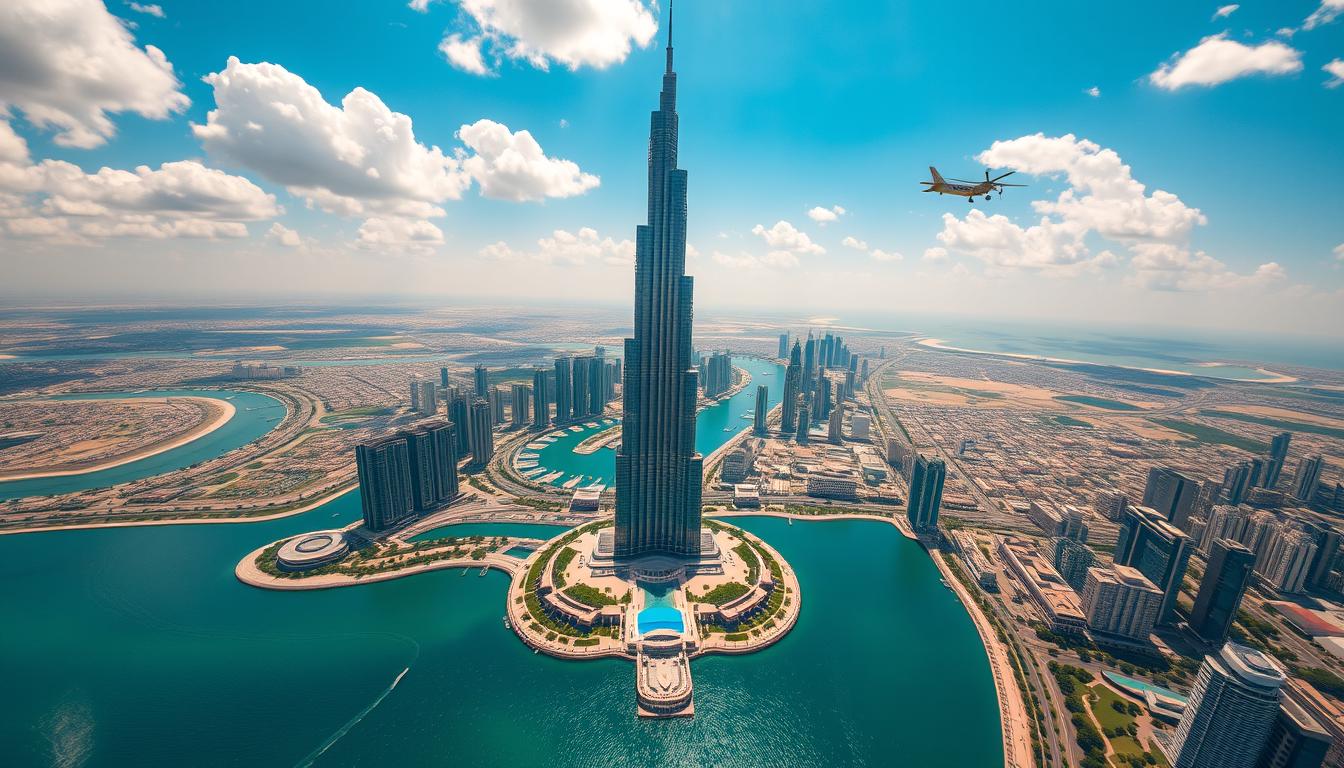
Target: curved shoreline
{"type": "Point", "coordinates": [1274, 376]}
{"type": "Point", "coordinates": [309, 507]}
{"type": "Point", "coordinates": [227, 412]}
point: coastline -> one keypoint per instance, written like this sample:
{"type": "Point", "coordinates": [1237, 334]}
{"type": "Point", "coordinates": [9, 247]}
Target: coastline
{"type": "Point", "coordinates": [314, 504]}
{"type": "Point", "coordinates": [226, 412]}
{"type": "Point", "coordinates": [1274, 377]}
{"type": "Point", "coordinates": [1012, 711]}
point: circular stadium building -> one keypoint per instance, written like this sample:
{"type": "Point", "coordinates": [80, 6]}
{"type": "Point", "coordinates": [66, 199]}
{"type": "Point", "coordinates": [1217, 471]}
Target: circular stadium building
{"type": "Point", "coordinates": [312, 550]}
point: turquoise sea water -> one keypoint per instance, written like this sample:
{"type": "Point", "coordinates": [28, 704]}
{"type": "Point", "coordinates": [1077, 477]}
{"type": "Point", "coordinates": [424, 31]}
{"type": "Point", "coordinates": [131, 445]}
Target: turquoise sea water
{"type": "Point", "coordinates": [138, 647]}
{"type": "Point", "coordinates": [714, 426]}
{"type": "Point", "coordinates": [255, 415]}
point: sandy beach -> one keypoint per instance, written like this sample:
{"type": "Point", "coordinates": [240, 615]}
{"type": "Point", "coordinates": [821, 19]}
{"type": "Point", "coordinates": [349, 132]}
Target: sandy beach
{"type": "Point", "coordinates": [221, 410]}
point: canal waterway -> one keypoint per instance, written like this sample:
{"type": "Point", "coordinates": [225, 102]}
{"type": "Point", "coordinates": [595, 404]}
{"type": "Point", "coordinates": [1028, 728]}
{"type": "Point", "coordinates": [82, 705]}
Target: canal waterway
{"type": "Point", "coordinates": [254, 415]}
{"type": "Point", "coordinates": [715, 425]}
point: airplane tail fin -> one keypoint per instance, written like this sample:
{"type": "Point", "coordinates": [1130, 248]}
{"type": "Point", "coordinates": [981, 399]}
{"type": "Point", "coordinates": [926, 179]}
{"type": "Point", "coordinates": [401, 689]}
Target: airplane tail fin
{"type": "Point", "coordinates": [936, 176]}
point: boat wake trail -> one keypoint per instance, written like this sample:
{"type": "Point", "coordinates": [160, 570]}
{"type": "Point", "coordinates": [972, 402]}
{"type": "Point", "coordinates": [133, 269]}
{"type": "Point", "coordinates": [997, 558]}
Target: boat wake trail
{"type": "Point", "coordinates": [344, 729]}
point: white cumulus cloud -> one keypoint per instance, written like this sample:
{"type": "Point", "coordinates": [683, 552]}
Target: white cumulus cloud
{"type": "Point", "coordinates": [572, 33]}
{"type": "Point", "coordinates": [568, 248]}
{"type": "Point", "coordinates": [1103, 199]}
{"type": "Point", "coordinates": [783, 236]}
{"type": "Point", "coordinates": [397, 232]}
{"type": "Point", "coordinates": [1094, 92]}
{"type": "Point", "coordinates": [1217, 60]}
{"type": "Point", "coordinates": [823, 216]}
{"type": "Point", "coordinates": [282, 235]}
{"type": "Point", "coordinates": [57, 199]}
{"type": "Point", "coordinates": [1334, 68]}
{"type": "Point", "coordinates": [512, 166]}
{"type": "Point", "coordinates": [777, 260]}
{"type": "Point", "coordinates": [148, 9]}
{"type": "Point", "coordinates": [1328, 11]}
{"type": "Point", "coordinates": [853, 242]}
{"type": "Point", "coordinates": [1225, 11]}
{"type": "Point", "coordinates": [464, 53]}
{"type": "Point", "coordinates": [69, 64]}
{"type": "Point", "coordinates": [1339, 252]}
{"type": "Point", "coordinates": [361, 158]}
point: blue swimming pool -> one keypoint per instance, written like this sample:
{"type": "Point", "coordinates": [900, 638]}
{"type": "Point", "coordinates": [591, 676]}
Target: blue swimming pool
{"type": "Point", "coordinates": [659, 612]}
{"type": "Point", "coordinates": [1139, 686]}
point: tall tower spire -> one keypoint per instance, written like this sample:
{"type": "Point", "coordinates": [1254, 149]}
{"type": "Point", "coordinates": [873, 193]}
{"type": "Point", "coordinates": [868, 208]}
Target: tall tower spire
{"type": "Point", "coordinates": [669, 35]}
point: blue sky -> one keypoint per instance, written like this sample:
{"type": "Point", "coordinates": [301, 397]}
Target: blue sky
{"type": "Point", "coordinates": [784, 108]}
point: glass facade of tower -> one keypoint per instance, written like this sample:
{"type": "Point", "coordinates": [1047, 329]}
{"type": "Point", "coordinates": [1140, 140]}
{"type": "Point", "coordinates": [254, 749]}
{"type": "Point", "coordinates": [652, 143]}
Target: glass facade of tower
{"type": "Point", "coordinates": [658, 471]}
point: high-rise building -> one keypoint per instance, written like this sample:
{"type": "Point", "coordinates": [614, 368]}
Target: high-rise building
{"type": "Point", "coordinates": [1072, 560]}
{"type": "Point", "coordinates": [1110, 504]}
{"type": "Point", "coordinates": [415, 395]}
{"type": "Point", "coordinates": [541, 399]}
{"type": "Point", "coordinates": [809, 365]}
{"type": "Point", "coordinates": [803, 434]}
{"type": "Point", "coordinates": [1074, 521]}
{"type": "Point", "coordinates": [1288, 559]}
{"type": "Point", "coordinates": [597, 386]}
{"type": "Point", "coordinates": [1296, 740]}
{"type": "Point", "coordinates": [564, 390]}
{"type": "Point", "coordinates": [1231, 711]}
{"type": "Point", "coordinates": [482, 434]}
{"type": "Point", "coordinates": [1172, 494]}
{"type": "Point", "coordinates": [459, 413]}
{"type": "Point", "coordinates": [1328, 539]}
{"type": "Point", "coordinates": [1278, 454]}
{"type": "Point", "coordinates": [582, 386]}
{"type": "Point", "coordinates": [1306, 477]}
{"type": "Point", "coordinates": [658, 471]}
{"type": "Point", "coordinates": [835, 426]}
{"type": "Point", "coordinates": [783, 346]}
{"type": "Point", "coordinates": [761, 426]}
{"type": "Point", "coordinates": [1120, 601]}
{"type": "Point", "coordinates": [824, 406]}
{"type": "Point", "coordinates": [385, 489]}
{"type": "Point", "coordinates": [1226, 577]}
{"type": "Point", "coordinates": [522, 403]}
{"type": "Point", "coordinates": [926, 492]}
{"type": "Point", "coordinates": [1236, 481]}
{"type": "Point", "coordinates": [432, 455]}
{"type": "Point", "coordinates": [499, 399]}
{"type": "Point", "coordinates": [739, 462]}
{"type": "Point", "coordinates": [443, 377]}
{"type": "Point", "coordinates": [482, 380]}
{"type": "Point", "coordinates": [793, 378]}
{"type": "Point", "coordinates": [718, 374]}
{"type": "Point", "coordinates": [429, 398]}
{"type": "Point", "coordinates": [1158, 549]}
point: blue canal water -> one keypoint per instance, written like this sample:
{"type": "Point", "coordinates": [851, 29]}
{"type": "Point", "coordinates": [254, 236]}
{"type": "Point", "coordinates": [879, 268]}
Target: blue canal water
{"type": "Point", "coordinates": [255, 415]}
{"type": "Point", "coordinates": [714, 426]}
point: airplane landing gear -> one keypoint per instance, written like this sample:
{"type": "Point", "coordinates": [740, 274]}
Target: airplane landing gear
{"type": "Point", "coordinates": [970, 199]}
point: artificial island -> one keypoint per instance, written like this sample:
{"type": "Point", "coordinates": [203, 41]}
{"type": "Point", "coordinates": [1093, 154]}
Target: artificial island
{"type": "Point", "coordinates": [655, 582]}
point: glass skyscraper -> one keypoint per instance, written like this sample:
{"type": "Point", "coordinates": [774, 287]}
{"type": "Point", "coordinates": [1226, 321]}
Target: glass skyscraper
{"type": "Point", "coordinates": [658, 471]}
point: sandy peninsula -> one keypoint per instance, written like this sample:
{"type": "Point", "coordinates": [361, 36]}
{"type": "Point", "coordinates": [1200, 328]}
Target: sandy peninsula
{"type": "Point", "coordinates": [219, 412]}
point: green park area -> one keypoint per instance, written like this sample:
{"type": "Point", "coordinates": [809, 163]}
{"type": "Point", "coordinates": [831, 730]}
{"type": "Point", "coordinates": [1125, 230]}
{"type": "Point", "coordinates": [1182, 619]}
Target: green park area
{"type": "Point", "coordinates": [1118, 726]}
{"type": "Point", "coordinates": [1213, 435]}
{"type": "Point", "coordinates": [1291, 426]}
{"type": "Point", "coordinates": [1098, 402]}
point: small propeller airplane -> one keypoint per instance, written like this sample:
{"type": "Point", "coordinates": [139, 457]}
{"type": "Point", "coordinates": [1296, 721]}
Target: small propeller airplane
{"type": "Point", "coordinates": [967, 189]}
